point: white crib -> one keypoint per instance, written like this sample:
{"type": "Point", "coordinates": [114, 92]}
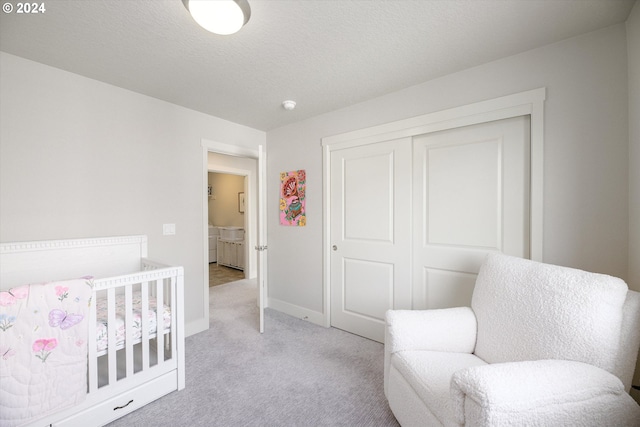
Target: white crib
{"type": "Point", "coordinates": [131, 372]}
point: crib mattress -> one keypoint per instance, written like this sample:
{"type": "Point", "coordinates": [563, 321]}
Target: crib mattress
{"type": "Point", "coordinates": [102, 325]}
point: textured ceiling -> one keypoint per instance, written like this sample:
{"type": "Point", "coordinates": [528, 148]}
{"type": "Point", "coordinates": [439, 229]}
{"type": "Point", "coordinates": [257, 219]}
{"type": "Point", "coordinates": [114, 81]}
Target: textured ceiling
{"type": "Point", "coordinates": [324, 54]}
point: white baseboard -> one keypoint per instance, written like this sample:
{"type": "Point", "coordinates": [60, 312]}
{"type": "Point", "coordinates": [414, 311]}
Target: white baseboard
{"type": "Point", "coordinates": [202, 324]}
{"type": "Point", "coordinates": [296, 311]}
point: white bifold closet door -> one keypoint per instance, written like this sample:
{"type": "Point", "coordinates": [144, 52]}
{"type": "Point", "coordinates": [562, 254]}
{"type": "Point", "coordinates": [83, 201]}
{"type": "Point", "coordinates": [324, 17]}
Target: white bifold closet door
{"type": "Point", "coordinates": [413, 218]}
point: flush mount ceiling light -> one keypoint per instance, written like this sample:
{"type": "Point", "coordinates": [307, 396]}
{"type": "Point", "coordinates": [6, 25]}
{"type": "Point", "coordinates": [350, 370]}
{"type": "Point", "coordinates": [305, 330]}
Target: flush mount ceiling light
{"type": "Point", "coordinates": [219, 16]}
{"type": "Point", "coordinates": [289, 105]}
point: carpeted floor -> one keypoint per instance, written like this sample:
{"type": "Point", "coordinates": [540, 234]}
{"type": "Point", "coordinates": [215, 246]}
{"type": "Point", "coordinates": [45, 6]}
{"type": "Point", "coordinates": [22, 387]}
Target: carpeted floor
{"type": "Point", "coordinates": [295, 374]}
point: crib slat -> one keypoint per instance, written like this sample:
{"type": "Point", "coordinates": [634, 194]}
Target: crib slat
{"type": "Point", "coordinates": [144, 312]}
{"type": "Point", "coordinates": [111, 335]}
{"type": "Point", "coordinates": [173, 306]}
{"type": "Point", "coordinates": [92, 345]}
{"type": "Point", "coordinates": [128, 322]}
{"type": "Point", "coordinates": [160, 320]}
{"type": "Point", "coordinates": [179, 328]}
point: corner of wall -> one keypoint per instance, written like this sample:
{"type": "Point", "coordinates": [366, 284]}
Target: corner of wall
{"type": "Point", "coordinates": [633, 63]}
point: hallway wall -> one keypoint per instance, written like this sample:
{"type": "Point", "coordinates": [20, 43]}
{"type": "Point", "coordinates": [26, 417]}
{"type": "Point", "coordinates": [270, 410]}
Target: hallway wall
{"type": "Point", "coordinates": [223, 204]}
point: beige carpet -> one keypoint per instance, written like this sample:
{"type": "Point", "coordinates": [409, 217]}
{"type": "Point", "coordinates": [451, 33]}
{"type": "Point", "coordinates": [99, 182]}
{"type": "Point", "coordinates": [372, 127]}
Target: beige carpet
{"type": "Point", "coordinates": [219, 274]}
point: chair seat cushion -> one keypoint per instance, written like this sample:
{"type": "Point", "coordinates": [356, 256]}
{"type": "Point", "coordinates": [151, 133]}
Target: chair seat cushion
{"type": "Point", "coordinates": [429, 373]}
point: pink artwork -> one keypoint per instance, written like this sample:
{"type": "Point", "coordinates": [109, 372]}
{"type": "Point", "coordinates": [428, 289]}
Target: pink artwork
{"type": "Point", "coordinates": [292, 198]}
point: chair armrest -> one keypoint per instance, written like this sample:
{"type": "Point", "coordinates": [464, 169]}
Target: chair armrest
{"type": "Point", "coordinates": [449, 329]}
{"type": "Point", "coordinates": [523, 391]}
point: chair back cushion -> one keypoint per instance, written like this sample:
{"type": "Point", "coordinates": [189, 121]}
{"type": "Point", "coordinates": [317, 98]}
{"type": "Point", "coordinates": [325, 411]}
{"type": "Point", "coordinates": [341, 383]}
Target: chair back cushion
{"type": "Point", "coordinates": [528, 310]}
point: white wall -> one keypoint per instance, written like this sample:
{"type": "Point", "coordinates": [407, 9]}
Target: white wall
{"type": "Point", "coordinates": [80, 158]}
{"type": "Point", "coordinates": [633, 50]}
{"type": "Point", "coordinates": [586, 146]}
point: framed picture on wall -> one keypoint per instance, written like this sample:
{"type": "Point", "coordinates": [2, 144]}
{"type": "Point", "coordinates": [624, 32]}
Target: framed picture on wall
{"type": "Point", "coordinates": [293, 186]}
{"type": "Point", "coordinates": [241, 202]}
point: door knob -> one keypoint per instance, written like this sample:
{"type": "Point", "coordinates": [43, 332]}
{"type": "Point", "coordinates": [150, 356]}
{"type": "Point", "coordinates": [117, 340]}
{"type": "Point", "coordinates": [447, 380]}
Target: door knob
{"type": "Point", "coordinates": [335, 248]}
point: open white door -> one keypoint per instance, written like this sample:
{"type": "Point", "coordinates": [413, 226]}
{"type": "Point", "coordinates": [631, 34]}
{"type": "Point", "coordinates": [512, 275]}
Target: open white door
{"type": "Point", "coordinates": [261, 246]}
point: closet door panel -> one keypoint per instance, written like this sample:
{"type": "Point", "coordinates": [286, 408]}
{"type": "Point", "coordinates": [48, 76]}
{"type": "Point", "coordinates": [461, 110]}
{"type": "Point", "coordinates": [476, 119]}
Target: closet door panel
{"type": "Point", "coordinates": [463, 197]}
{"type": "Point", "coordinates": [370, 235]}
{"type": "Point", "coordinates": [471, 193]}
{"type": "Point", "coordinates": [374, 299]}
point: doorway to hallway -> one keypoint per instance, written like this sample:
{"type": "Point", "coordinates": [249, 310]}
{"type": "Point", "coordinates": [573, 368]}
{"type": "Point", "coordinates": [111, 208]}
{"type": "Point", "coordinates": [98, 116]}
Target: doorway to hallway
{"type": "Point", "coordinates": [249, 163]}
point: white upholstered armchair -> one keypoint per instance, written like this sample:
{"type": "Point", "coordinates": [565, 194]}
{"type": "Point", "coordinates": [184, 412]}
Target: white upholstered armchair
{"type": "Point", "coordinates": [541, 345]}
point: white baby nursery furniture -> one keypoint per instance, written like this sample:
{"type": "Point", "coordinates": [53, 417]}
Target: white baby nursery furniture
{"type": "Point", "coordinates": [128, 352]}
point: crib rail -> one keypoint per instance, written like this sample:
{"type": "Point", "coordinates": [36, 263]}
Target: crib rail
{"type": "Point", "coordinates": [147, 264]}
{"type": "Point", "coordinates": [153, 351]}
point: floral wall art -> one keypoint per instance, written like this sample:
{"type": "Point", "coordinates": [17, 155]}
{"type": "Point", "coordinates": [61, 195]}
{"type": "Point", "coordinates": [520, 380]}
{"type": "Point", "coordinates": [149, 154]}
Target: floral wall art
{"type": "Point", "coordinates": [292, 198]}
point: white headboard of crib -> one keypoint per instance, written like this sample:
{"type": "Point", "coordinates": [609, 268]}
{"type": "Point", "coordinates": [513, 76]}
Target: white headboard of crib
{"type": "Point", "coordinates": [23, 263]}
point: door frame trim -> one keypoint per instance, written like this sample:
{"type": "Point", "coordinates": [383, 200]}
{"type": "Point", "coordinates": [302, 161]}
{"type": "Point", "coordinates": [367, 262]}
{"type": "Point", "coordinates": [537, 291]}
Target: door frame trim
{"type": "Point", "coordinates": [230, 150]}
{"type": "Point", "coordinates": [529, 103]}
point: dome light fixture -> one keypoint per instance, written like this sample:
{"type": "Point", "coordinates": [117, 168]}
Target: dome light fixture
{"type": "Point", "coordinates": [222, 17]}
{"type": "Point", "coordinates": [289, 105]}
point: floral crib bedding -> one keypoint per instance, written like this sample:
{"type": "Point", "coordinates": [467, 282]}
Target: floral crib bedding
{"type": "Point", "coordinates": [44, 339]}
{"type": "Point", "coordinates": [102, 326]}
{"type": "Point", "coordinates": [43, 349]}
